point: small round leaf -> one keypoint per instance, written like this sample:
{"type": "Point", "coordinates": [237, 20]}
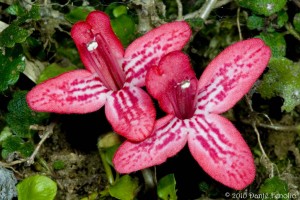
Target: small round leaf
{"type": "Point", "coordinates": [37, 187]}
{"type": "Point", "coordinates": [263, 7]}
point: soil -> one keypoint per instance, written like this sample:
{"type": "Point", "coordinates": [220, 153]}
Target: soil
{"type": "Point", "coordinates": [81, 172]}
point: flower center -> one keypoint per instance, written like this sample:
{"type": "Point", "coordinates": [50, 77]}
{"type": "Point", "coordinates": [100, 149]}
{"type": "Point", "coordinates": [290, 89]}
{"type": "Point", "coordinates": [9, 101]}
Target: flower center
{"type": "Point", "coordinates": [104, 63]}
{"type": "Point", "coordinates": [182, 98]}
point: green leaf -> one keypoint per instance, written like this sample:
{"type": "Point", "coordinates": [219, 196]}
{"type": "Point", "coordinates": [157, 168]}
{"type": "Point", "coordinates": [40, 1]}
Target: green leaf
{"type": "Point", "coordinates": [110, 9]}
{"type": "Point", "coordinates": [120, 10]}
{"type": "Point", "coordinates": [263, 7]}
{"type": "Point", "coordinates": [67, 50]}
{"type": "Point", "coordinates": [93, 196]}
{"type": "Point", "coordinates": [204, 187]}
{"type": "Point", "coordinates": [276, 42]}
{"type": "Point", "coordinates": [58, 165]}
{"type": "Point", "coordinates": [13, 34]}
{"type": "Point", "coordinates": [10, 68]}
{"type": "Point", "coordinates": [5, 133]}
{"type": "Point", "coordinates": [109, 154]}
{"type": "Point", "coordinates": [282, 18]}
{"type": "Point", "coordinates": [123, 25]}
{"type": "Point", "coordinates": [255, 22]}
{"type": "Point", "coordinates": [196, 23]}
{"type": "Point", "coordinates": [26, 149]}
{"type": "Point", "coordinates": [32, 14]}
{"type": "Point", "coordinates": [282, 79]}
{"type": "Point", "coordinates": [166, 188]}
{"type": "Point", "coordinates": [37, 187]}
{"type": "Point", "coordinates": [14, 144]}
{"type": "Point", "coordinates": [296, 22]}
{"type": "Point", "coordinates": [20, 116]}
{"type": "Point", "coordinates": [125, 188]}
{"type": "Point", "coordinates": [52, 71]}
{"type": "Point", "coordinates": [10, 145]}
{"type": "Point", "coordinates": [78, 13]}
{"type": "Point", "coordinates": [274, 188]}
{"type": "Point", "coordinates": [108, 145]}
{"type": "Point", "coordinates": [15, 9]}
{"type": "Point", "coordinates": [124, 28]}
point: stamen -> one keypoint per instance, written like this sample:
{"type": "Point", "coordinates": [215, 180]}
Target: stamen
{"type": "Point", "coordinates": [92, 45]}
{"type": "Point", "coordinates": [185, 84]}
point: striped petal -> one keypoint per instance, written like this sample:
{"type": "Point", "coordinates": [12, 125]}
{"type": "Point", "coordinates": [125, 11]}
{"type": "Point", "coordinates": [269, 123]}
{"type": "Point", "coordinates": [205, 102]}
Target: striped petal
{"type": "Point", "coordinates": [231, 75]}
{"type": "Point", "coordinates": [147, 50]}
{"type": "Point", "coordinates": [166, 141]}
{"type": "Point", "coordinates": [131, 113]}
{"type": "Point", "coordinates": [77, 91]}
{"type": "Point", "coordinates": [221, 151]}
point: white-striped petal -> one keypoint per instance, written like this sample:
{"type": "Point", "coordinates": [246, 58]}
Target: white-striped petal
{"type": "Point", "coordinates": [221, 151]}
{"type": "Point", "coordinates": [167, 139]}
{"type": "Point", "coordinates": [78, 91]}
{"type": "Point", "coordinates": [231, 75]}
{"type": "Point", "coordinates": [147, 50]}
{"type": "Point", "coordinates": [131, 113]}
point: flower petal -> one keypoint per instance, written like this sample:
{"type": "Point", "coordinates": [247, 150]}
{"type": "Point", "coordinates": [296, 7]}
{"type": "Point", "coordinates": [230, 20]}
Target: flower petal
{"type": "Point", "coordinates": [221, 151]}
{"type": "Point", "coordinates": [84, 32]}
{"type": "Point", "coordinates": [166, 141]}
{"type": "Point", "coordinates": [77, 91]}
{"type": "Point", "coordinates": [147, 50]}
{"type": "Point", "coordinates": [231, 75]}
{"type": "Point", "coordinates": [165, 82]}
{"type": "Point", "coordinates": [131, 113]}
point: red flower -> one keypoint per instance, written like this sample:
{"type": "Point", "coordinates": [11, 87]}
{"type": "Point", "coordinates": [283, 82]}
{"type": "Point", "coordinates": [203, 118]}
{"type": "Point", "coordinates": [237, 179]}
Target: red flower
{"type": "Point", "coordinates": [112, 76]}
{"type": "Point", "coordinates": [193, 109]}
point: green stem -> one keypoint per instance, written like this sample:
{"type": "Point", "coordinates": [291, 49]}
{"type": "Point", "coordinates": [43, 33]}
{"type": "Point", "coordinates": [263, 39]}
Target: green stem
{"type": "Point", "coordinates": [276, 127]}
{"type": "Point", "coordinates": [207, 8]}
{"type": "Point", "coordinates": [149, 177]}
{"type": "Point", "coordinates": [292, 31]}
{"type": "Point", "coordinates": [179, 7]}
{"type": "Point", "coordinates": [204, 11]}
{"type": "Point", "coordinates": [107, 169]}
